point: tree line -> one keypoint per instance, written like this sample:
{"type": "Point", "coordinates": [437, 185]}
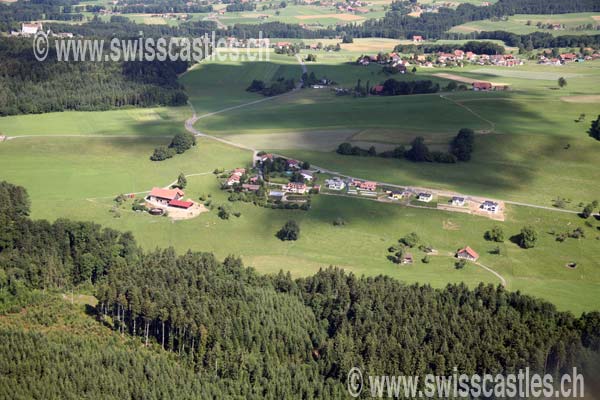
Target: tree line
{"type": "Point", "coordinates": [460, 149]}
{"type": "Point", "coordinates": [242, 334]}
{"type": "Point", "coordinates": [397, 24]}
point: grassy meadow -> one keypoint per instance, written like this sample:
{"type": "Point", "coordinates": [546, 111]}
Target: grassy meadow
{"type": "Point", "coordinates": [535, 117]}
{"type": "Point", "coordinates": [78, 178]}
{"type": "Point", "coordinates": [521, 157]}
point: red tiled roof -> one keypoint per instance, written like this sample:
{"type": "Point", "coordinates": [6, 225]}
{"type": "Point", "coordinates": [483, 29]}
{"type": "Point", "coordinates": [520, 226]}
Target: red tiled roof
{"type": "Point", "coordinates": [180, 204]}
{"type": "Point", "coordinates": [469, 251]}
{"type": "Point", "coordinates": [378, 88]}
{"type": "Point", "coordinates": [482, 85]}
{"type": "Point", "coordinates": [169, 194]}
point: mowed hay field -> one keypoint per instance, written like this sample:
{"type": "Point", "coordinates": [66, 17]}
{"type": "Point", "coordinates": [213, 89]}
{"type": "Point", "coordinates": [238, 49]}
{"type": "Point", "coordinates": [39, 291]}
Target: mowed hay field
{"type": "Point", "coordinates": [78, 178]}
{"type": "Point", "coordinates": [529, 147]}
{"type": "Point", "coordinates": [527, 23]}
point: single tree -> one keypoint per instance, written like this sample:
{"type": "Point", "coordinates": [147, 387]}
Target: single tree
{"type": "Point", "coordinates": [562, 82]}
{"type": "Point", "coordinates": [528, 237]}
{"type": "Point", "coordinates": [289, 231]}
{"type": "Point", "coordinates": [594, 130]}
{"type": "Point", "coordinates": [496, 234]}
{"type": "Point", "coordinates": [181, 181]}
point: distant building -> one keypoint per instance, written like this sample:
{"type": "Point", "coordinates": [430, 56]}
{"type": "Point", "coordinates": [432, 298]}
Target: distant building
{"type": "Point", "coordinates": [31, 29]}
{"type": "Point", "coordinates": [467, 253]}
{"type": "Point", "coordinates": [164, 196]}
{"type": "Point", "coordinates": [293, 164]}
{"type": "Point", "coordinates": [396, 195]}
{"type": "Point", "coordinates": [250, 187]}
{"type": "Point", "coordinates": [482, 86]}
{"type": "Point", "coordinates": [417, 38]}
{"type": "Point", "coordinates": [295, 187]}
{"type": "Point", "coordinates": [307, 175]}
{"type": "Point", "coordinates": [265, 157]}
{"type": "Point", "coordinates": [425, 197]}
{"type": "Point", "coordinates": [407, 259]}
{"type": "Point", "coordinates": [367, 185]}
{"type": "Point", "coordinates": [458, 201]}
{"type": "Point", "coordinates": [335, 184]}
{"type": "Point", "coordinates": [490, 206]}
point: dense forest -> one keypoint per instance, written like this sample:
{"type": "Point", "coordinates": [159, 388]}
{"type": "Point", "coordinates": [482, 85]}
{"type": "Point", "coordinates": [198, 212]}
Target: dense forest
{"type": "Point", "coordinates": [29, 86]}
{"type": "Point", "coordinates": [219, 329]}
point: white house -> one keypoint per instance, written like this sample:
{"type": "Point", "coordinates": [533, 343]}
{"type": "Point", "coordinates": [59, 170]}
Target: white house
{"type": "Point", "coordinates": [335, 184]}
{"type": "Point", "coordinates": [490, 206]}
{"type": "Point", "coordinates": [307, 175]}
{"type": "Point", "coordinates": [426, 197]}
{"type": "Point", "coordinates": [31, 29]}
{"type": "Point", "coordinates": [458, 201]}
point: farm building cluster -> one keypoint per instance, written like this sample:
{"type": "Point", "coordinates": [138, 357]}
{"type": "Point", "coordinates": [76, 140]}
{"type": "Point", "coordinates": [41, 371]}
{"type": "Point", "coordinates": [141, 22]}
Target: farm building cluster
{"type": "Point", "coordinates": [273, 181]}
{"type": "Point", "coordinates": [172, 203]}
{"type": "Point", "coordinates": [440, 59]}
{"type": "Point", "coordinates": [547, 57]}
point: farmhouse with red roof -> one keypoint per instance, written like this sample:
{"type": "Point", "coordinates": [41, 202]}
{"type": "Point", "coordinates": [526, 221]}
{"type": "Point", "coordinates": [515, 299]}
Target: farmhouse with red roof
{"type": "Point", "coordinates": [164, 196]}
{"type": "Point", "coordinates": [479, 86]}
{"type": "Point", "coordinates": [467, 253]}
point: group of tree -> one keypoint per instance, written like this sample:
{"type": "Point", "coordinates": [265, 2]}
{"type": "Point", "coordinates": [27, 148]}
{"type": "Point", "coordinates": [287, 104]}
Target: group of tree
{"type": "Point", "coordinates": [289, 231]}
{"type": "Point", "coordinates": [279, 86]}
{"type": "Point", "coordinates": [180, 143]}
{"type": "Point", "coordinates": [238, 5]}
{"type": "Point", "coordinates": [477, 47]}
{"type": "Point", "coordinates": [588, 210]}
{"type": "Point", "coordinates": [393, 87]}
{"type": "Point", "coordinates": [527, 238]}
{"type": "Point", "coordinates": [221, 330]}
{"type": "Point", "coordinates": [460, 149]}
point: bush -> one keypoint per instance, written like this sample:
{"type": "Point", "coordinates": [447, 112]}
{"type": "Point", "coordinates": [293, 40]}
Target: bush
{"type": "Point", "coordinates": [339, 222]}
{"type": "Point", "coordinates": [289, 231]}
{"type": "Point", "coordinates": [410, 240]}
{"type": "Point", "coordinates": [224, 212]}
{"type": "Point", "coordinates": [162, 153]}
{"type": "Point", "coordinates": [496, 234]}
{"type": "Point", "coordinates": [182, 142]}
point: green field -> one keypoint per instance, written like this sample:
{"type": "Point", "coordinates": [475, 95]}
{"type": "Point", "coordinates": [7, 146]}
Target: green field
{"type": "Point", "coordinates": [523, 158]}
{"type": "Point", "coordinates": [77, 178]}
{"type": "Point", "coordinates": [527, 23]}
{"type": "Point", "coordinates": [533, 118]}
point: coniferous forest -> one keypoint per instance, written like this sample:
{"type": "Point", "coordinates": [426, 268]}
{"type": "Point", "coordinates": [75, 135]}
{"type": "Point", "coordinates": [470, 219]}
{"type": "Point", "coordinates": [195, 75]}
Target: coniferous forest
{"type": "Point", "coordinates": [28, 86]}
{"type": "Point", "coordinates": [192, 326]}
